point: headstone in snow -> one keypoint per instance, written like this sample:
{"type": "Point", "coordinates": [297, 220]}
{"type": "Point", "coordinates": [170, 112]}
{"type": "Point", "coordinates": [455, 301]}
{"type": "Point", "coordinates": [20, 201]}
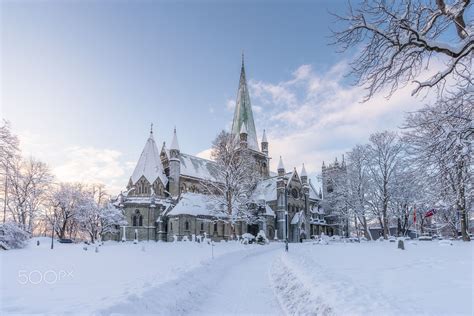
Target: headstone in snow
{"type": "Point", "coordinates": [96, 249]}
{"type": "Point", "coordinates": [84, 248]}
{"type": "Point", "coordinates": [136, 237]}
{"type": "Point", "coordinates": [401, 244]}
{"type": "Point", "coordinates": [193, 238]}
{"type": "Point", "coordinates": [37, 243]}
{"type": "Point", "coordinates": [185, 238]}
{"type": "Point", "coordinates": [175, 238]}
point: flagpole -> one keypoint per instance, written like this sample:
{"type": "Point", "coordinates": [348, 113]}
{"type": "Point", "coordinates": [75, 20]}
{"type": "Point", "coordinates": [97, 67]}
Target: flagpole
{"type": "Point", "coordinates": [414, 220]}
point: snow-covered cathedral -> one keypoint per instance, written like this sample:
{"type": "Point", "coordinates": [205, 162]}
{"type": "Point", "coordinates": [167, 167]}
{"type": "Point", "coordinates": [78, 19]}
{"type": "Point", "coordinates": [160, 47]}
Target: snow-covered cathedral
{"type": "Point", "coordinates": [165, 198]}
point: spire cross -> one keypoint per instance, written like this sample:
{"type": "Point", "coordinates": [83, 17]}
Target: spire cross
{"type": "Point", "coordinates": [242, 58]}
{"type": "Point", "coordinates": [151, 129]}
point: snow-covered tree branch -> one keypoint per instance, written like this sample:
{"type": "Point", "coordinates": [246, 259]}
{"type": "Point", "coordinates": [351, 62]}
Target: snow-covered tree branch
{"type": "Point", "coordinates": [236, 178]}
{"type": "Point", "coordinates": [398, 39]}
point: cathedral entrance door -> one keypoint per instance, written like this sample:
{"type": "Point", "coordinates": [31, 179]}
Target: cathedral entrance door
{"type": "Point", "coordinates": [253, 229]}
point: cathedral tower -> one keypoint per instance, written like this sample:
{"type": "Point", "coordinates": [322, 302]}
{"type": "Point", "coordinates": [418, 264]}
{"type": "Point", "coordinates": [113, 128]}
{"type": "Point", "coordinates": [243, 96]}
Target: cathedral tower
{"type": "Point", "coordinates": [243, 112]}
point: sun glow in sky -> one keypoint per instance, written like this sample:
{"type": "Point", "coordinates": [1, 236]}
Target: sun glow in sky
{"type": "Point", "coordinates": [82, 81]}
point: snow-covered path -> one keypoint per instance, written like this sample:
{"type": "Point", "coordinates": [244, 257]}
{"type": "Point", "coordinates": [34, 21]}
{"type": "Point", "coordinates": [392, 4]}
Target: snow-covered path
{"type": "Point", "coordinates": [245, 288]}
{"type": "Point", "coordinates": [234, 284]}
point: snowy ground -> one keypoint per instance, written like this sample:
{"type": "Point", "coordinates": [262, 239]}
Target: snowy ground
{"type": "Point", "coordinates": [183, 279]}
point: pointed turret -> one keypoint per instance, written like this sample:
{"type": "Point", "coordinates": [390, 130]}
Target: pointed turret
{"type": "Point", "coordinates": [243, 112]}
{"type": "Point", "coordinates": [174, 142]}
{"type": "Point", "coordinates": [264, 143]}
{"type": "Point", "coordinates": [304, 175]}
{"type": "Point", "coordinates": [243, 136]}
{"type": "Point", "coordinates": [175, 166]}
{"type": "Point", "coordinates": [281, 168]}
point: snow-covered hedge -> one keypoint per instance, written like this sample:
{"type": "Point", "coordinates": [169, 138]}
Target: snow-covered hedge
{"type": "Point", "coordinates": [12, 236]}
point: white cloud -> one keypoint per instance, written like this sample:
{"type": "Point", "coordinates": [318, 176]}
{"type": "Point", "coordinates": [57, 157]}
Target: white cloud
{"type": "Point", "coordinates": [79, 164]}
{"type": "Point", "coordinates": [313, 117]}
{"type": "Point", "coordinates": [230, 105]}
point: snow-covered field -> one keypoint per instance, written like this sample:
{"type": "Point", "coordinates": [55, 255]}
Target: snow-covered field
{"type": "Point", "coordinates": [182, 278]}
{"type": "Point", "coordinates": [377, 279]}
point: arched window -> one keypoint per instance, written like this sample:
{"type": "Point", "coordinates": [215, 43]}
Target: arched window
{"type": "Point", "coordinates": [330, 186]}
{"type": "Point", "coordinates": [171, 226]}
{"type": "Point", "coordinates": [215, 227]}
{"type": "Point", "coordinates": [202, 226]}
{"type": "Point", "coordinates": [186, 225]}
{"type": "Point", "coordinates": [137, 219]}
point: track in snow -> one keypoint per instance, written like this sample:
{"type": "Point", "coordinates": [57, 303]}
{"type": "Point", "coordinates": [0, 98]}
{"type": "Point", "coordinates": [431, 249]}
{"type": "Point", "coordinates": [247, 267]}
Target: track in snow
{"type": "Point", "coordinates": [233, 284]}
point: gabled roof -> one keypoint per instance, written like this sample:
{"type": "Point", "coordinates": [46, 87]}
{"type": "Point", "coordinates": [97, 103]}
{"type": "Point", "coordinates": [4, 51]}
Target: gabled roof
{"type": "Point", "coordinates": [195, 204]}
{"type": "Point", "coordinates": [293, 174]}
{"type": "Point", "coordinates": [149, 165]}
{"type": "Point", "coordinates": [267, 189]}
{"type": "Point", "coordinates": [312, 192]}
{"type": "Point", "coordinates": [243, 113]}
{"type": "Point", "coordinates": [196, 167]}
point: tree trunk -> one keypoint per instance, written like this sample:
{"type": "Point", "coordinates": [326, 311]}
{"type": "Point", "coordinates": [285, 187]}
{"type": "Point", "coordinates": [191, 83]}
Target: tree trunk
{"type": "Point", "coordinates": [461, 203]}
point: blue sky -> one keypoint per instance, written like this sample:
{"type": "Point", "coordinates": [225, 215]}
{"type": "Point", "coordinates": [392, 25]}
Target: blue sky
{"type": "Point", "coordinates": [82, 80]}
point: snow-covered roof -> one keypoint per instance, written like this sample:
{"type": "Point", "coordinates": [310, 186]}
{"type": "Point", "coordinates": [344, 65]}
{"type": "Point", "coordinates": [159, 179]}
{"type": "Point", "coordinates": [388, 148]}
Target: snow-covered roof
{"type": "Point", "coordinates": [267, 189]}
{"type": "Point", "coordinates": [196, 167]}
{"type": "Point", "coordinates": [146, 200]}
{"type": "Point", "coordinates": [312, 192]}
{"type": "Point", "coordinates": [174, 142]}
{"type": "Point", "coordinates": [296, 219]}
{"type": "Point", "coordinates": [149, 165]}
{"type": "Point", "coordinates": [269, 211]}
{"type": "Point", "coordinates": [317, 210]}
{"type": "Point", "coordinates": [280, 164]}
{"type": "Point", "coordinates": [195, 204]}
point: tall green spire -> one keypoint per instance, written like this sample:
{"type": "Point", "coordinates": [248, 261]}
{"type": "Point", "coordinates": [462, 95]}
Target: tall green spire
{"type": "Point", "coordinates": [243, 112]}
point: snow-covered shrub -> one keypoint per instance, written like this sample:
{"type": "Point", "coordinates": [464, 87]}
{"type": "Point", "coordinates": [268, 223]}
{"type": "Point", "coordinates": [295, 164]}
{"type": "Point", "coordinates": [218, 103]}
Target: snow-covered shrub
{"type": "Point", "coordinates": [262, 238]}
{"type": "Point", "coordinates": [12, 236]}
{"type": "Point", "coordinates": [185, 238]}
{"type": "Point", "coordinates": [247, 238]}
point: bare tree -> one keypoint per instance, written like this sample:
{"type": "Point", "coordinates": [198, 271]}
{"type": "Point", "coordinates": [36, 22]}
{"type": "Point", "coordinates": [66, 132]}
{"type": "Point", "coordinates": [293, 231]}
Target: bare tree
{"type": "Point", "coordinates": [29, 182]}
{"type": "Point", "coordinates": [95, 215]}
{"type": "Point", "coordinates": [400, 38]}
{"type": "Point", "coordinates": [358, 182]}
{"type": "Point", "coordinates": [440, 140]}
{"type": "Point", "coordinates": [235, 181]}
{"type": "Point", "coordinates": [384, 153]}
{"type": "Point", "coordinates": [65, 204]}
{"type": "Point", "coordinates": [8, 152]}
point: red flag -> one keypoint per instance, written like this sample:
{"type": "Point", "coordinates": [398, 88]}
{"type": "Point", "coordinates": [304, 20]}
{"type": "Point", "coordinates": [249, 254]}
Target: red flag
{"type": "Point", "coordinates": [430, 213]}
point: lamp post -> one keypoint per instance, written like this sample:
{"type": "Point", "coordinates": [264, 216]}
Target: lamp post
{"type": "Point", "coordinates": [286, 219]}
{"type": "Point", "coordinates": [52, 231]}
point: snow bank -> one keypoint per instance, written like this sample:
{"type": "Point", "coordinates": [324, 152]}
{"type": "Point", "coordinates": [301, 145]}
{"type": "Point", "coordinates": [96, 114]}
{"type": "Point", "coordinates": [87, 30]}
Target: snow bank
{"type": "Point", "coordinates": [375, 278]}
